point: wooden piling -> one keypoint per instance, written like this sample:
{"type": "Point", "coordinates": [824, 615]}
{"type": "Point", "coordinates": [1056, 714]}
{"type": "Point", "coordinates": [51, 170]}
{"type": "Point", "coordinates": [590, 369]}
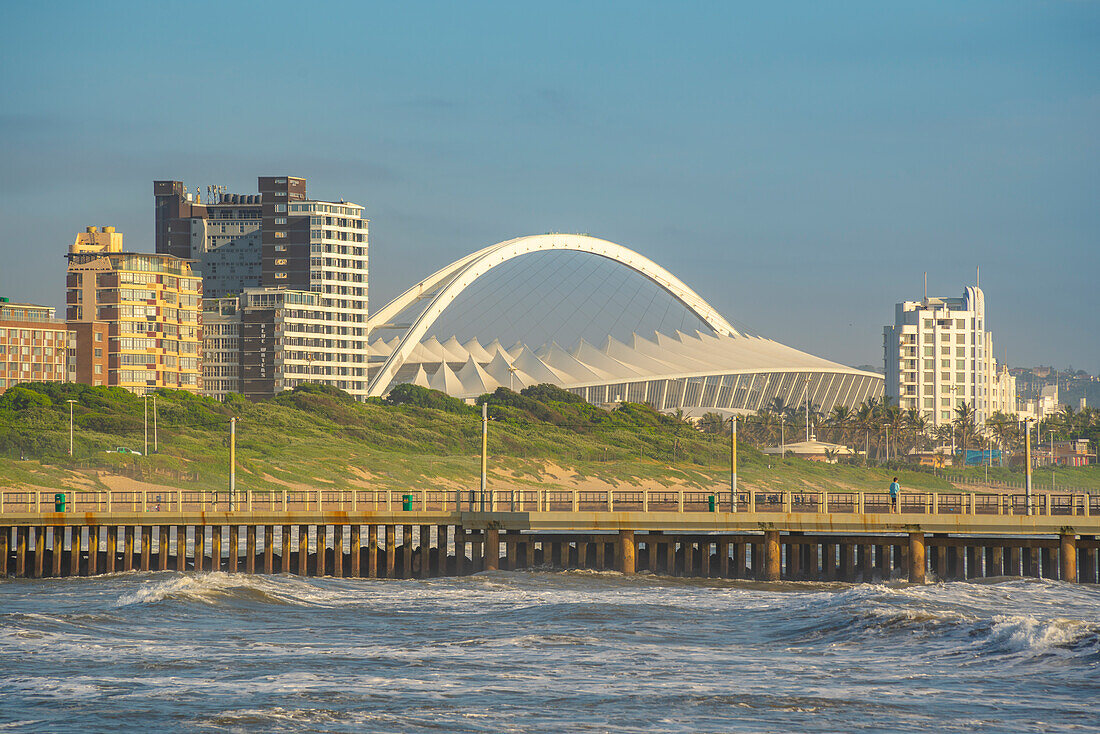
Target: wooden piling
{"type": "Point", "coordinates": [372, 551]}
{"type": "Point", "coordinates": [199, 548]}
{"type": "Point", "coordinates": [303, 550]}
{"type": "Point", "coordinates": [491, 549]}
{"type": "Point", "coordinates": [338, 551]}
{"type": "Point", "coordinates": [146, 546]}
{"type": "Point", "coordinates": [441, 543]}
{"type": "Point", "coordinates": [128, 548]}
{"type": "Point", "coordinates": [269, 549]}
{"type": "Point", "coordinates": [164, 539]}
{"type": "Point", "coordinates": [5, 540]}
{"type": "Point", "coordinates": [406, 551]}
{"type": "Point", "coordinates": [1067, 557]}
{"type": "Point", "coordinates": [321, 567]}
{"type": "Point", "coordinates": [216, 548]}
{"type": "Point", "coordinates": [21, 552]}
{"type": "Point", "coordinates": [391, 550]}
{"type": "Point", "coordinates": [112, 549]}
{"type": "Point", "coordinates": [916, 558]}
{"type": "Point", "coordinates": [74, 550]}
{"type": "Point", "coordinates": [626, 551]}
{"type": "Point", "coordinates": [234, 547]}
{"type": "Point", "coordinates": [58, 534]}
{"type": "Point", "coordinates": [356, 544]}
{"type": "Point", "coordinates": [772, 568]}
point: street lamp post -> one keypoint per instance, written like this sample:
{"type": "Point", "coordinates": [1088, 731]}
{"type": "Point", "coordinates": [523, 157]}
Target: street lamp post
{"type": "Point", "coordinates": [484, 449]}
{"type": "Point", "coordinates": [733, 464]}
{"type": "Point", "coordinates": [156, 444]}
{"type": "Point", "coordinates": [70, 402]}
{"type": "Point", "coordinates": [1027, 463]}
{"type": "Point", "coordinates": [145, 401]}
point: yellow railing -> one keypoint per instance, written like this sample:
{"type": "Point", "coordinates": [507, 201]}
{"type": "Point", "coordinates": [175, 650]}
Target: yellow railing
{"type": "Point", "coordinates": [525, 499]}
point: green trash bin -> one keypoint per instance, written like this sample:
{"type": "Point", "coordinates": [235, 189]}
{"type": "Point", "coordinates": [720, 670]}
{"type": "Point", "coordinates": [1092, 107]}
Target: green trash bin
{"type": "Point", "coordinates": [59, 502]}
{"type": "Point", "coordinates": [407, 502]}
{"type": "Point", "coordinates": [711, 500]}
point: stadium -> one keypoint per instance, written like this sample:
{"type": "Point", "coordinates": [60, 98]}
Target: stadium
{"type": "Point", "coordinates": [713, 367]}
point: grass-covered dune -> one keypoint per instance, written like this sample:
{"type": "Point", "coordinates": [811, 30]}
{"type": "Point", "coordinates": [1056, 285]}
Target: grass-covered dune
{"type": "Point", "coordinates": [315, 436]}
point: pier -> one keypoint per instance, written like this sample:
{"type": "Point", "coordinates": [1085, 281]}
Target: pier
{"type": "Point", "coordinates": [767, 536]}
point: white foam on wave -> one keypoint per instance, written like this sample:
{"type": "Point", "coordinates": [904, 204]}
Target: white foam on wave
{"type": "Point", "coordinates": [218, 588]}
{"type": "Point", "coordinates": [1013, 633]}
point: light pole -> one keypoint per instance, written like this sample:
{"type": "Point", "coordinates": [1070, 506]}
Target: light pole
{"type": "Point", "coordinates": [232, 460]}
{"type": "Point", "coordinates": [145, 401]}
{"type": "Point", "coordinates": [156, 445]}
{"type": "Point", "coordinates": [1027, 462]}
{"type": "Point", "coordinates": [70, 402]}
{"type": "Point", "coordinates": [1052, 461]}
{"type": "Point", "coordinates": [484, 449]}
{"type": "Point", "coordinates": [733, 464]}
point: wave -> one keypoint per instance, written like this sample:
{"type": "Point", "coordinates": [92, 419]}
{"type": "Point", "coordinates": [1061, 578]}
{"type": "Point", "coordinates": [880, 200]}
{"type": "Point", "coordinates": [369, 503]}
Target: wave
{"type": "Point", "coordinates": [218, 588]}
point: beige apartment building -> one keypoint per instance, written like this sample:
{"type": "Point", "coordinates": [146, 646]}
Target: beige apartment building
{"type": "Point", "coordinates": [34, 346]}
{"type": "Point", "coordinates": [136, 317]}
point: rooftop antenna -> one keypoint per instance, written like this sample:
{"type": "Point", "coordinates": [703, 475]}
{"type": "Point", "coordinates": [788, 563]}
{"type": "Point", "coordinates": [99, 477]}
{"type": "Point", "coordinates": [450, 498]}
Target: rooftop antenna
{"type": "Point", "coordinates": [978, 282]}
{"type": "Point", "coordinates": [926, 286]}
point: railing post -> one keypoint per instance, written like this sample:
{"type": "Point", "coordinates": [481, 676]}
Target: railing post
{"type": "Point", "coordinates": [973, 505]}
{"type": "Point", "coordinates": [576, 501]}
{"type": "Point", "coordinates": [179, 500]}
{"type": "Point", "coordinates": [108, 500]}
{"type": "Point", "coordinates": [752, 500]}
{"type": "Point", "coordinates": [862, 504]}
{"type": "Point", "coordinates": [680, 500]}
{"type": "Point", "coordinates": [1088, 503]}
{"type": "Point", "coordinates": [645, 500]}
{"type": "Point", "coordinates": [610, 501]}
{"type": "Point", "coordinates": [37, 508]}
{"type": "Point", "coordinates": [935, 503]}
{"type": "Point", "coordinates": [144, 500]}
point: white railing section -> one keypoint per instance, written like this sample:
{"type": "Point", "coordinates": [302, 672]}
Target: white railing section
{"type": "Point", "coordinates": [547, 500]}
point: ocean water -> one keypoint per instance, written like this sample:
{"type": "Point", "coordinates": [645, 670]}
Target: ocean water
{"type": "Point", "coordinates": [545, 651]}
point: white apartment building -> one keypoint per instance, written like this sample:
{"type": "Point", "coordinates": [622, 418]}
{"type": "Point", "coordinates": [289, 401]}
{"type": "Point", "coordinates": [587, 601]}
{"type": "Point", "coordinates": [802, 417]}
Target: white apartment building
{"type": "Point", "coordinates": [221, 326]}
{"type": "Point", "coordinates": [938, 354]}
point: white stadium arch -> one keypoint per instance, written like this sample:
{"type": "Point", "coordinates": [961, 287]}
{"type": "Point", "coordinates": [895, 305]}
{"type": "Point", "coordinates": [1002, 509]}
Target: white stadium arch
{"type": "Point", "coordinates": [725, 370]}
{"type": "Point", "coordinates": [445, 285]}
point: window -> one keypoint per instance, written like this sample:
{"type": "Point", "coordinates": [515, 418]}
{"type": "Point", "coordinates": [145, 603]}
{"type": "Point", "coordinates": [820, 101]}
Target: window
{"type": "Point", "coordinates": [929, 351]}
{"type": "Point", "coordinates": [280, 235]}
{"type": "Point", "coordinates": [99, 369]}
{"type": "Point", "coordinates": [280, 276]}
{"type": "Point", "coordinates": [280, 220]}
{"type": "Point", "coordinates": [960, 351]}
{"type": "Point", "coordinates": [960, 323]}
{"type": "Point", "coordinates": [280, 207]}
{"type": "Point", "coordinates": [280, 248]}
{"type": "Point", "coordinates": [945, 337]}
{"type": "Point", "coordinates": [98, 352]}
{"type": "Point", "coordinates": [930, 402]}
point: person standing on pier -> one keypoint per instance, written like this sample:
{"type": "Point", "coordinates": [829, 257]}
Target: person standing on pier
{"type": "Point", "coordinates": [895, 490]}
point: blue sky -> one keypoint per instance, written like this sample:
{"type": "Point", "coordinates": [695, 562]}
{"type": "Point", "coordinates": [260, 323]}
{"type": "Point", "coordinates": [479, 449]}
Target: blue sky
{"type": "Point", "coordinates": [800, 165]}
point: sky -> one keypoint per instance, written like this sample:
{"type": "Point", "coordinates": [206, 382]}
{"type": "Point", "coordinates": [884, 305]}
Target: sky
{"type": "Point", "coordinates": [800, 165]}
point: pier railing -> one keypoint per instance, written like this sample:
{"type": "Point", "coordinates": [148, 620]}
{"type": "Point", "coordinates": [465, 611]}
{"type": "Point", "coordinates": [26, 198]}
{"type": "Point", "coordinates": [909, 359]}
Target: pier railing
{"type": "Point", "coordinates": [549, 500]}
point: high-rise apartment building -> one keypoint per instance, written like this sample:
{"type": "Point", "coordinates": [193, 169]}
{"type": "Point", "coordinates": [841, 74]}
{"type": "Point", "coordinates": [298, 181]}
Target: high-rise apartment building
{"type": "Point", "coordinates": [136, 317]}
{"type": "Point", "coordinates": [938, 354]}
{"type": "Point", "coordinates": [301, 314]}
{"type": "Point", "coordinates": [221, 236]}
{"type": "Point", "coordinates": [34, 346]}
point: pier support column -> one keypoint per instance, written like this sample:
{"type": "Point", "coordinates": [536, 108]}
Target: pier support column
{"type": "Point", "coordinates": [39, 551]}
{"type": "Point", "coordinates": [391, 550]}
{"type": "Point", "coordinates": [916, 558]}
{"type": "Point", "coordinates": [338, 551]}
{"type": "Point", "coordinates": [460, 549]}
{"type": "Point", "coordinates": [112, 548]}
{"type": "Point", "coordinates": [58, 550]}
{"type": "Point", "coordinates": [269, 549]}
{"type": "Point", "coordinates": [199, 548]}
{"type": "Point", "coordinates": [21, 552]}
{"type": "Point", "coordinates": [128, 549]}
{"type": "Point", "coordinates": [74, 552]}
{"type": "Point", "coordinates": [181, 548]}
{"type": "Point", "coordinates": [164, 535]}
{"type": "Point", "coordinates": [284, 550]}
{"type": "Point", "coordinates": [1067, 558]}
{"type": "Point", "coordinates": [491, 549]}
{"type": "Point", "coordinates": [146, 545]}
{"type": "Point", "coordinates": [93, 550]}
{"type": "Point", "coordinates": [356, 543]}
{"type": "Point", "coordinates": [216, 548]}
{"type": "Point", "coordinates": [250, 549]}
{"type": "Point", "coordinates": [772, 565]}
{"type": "Point", "coordinates": [626, 551]}
{"type": "Point", "coordinates": [407, 551]}
{"type": "Point", "coordinates": [234, 547]}
{"type": "Point", "coordinates": [303, 550]}
{"type": "Point", "coordinates": [441, 549]}
{"type": "Point", "coordinates": [372, 551]}
{"type": "Point", "coordinates": [5, 538]}
{"type": "Point", "coordinates": [321, 567]}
